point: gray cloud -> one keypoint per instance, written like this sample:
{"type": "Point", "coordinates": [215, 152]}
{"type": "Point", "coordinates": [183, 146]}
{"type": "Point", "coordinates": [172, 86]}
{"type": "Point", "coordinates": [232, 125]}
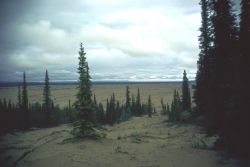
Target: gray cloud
{"type": "Point", "coordinates": [124, 39]}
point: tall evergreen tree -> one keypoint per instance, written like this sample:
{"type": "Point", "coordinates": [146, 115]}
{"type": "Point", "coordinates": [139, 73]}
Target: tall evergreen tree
{"type": "Point", "coordinates": [163, 107]}
{"type": "Point", "coordinates": [101, 115]}
{"type": "Point", "coordinates": [88, 84]}
{"type": "Point", "coordinates": [84, 105]}
{"type": "Point", "coordinates": [19, 98]}
{"type": "Point", "coordinates": [224, 59]}
{"type": "Point", "coordinates": [24, 94]}
{"type": "Point", "coordinates": [174, 114]}
{"type": "Point", "coordinates": [186, 98]}
{"type": "Point", "coordinates": [95, 101]}
{"type": "Point", "coordinates": [239, 136]}
{"type": "Point", "coordinates": [133, 106]}
{"type": "Point", "coordinates": [150, 107]}
{"type": "Point", "coordinates": [113, 109]}
{"type": "Point", "coordinates": [138, 103]}
{"type": "Point", "coordinates": [25, 106]}
{"type": "Point", "coordinates": [47, 105]}
{"type": "Point", "coordinates": [107, 111]}
{"type": "Point", "coordinates": [84, 102]}
{"type": "Point", "coordinates": [128, 98]}
{"type": "Point", "coordinates": [202, 94]}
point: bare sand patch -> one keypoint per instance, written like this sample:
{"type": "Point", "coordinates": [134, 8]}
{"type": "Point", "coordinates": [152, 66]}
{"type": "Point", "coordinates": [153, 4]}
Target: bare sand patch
{"type": "Point", "coordinates": [139, 142]}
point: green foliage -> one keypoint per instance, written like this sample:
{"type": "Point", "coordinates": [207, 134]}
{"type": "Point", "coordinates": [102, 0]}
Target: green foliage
{"type": "Point", "coordinates": [24, 95]}
{"type": "Point", "coordinates": [163, 107]}
{"type": "Point", "coordinates": [133, 106]}
{"type": "Point", "coordinates": [47, 102]}
{"type": "Point", "coordinates": [19, 98]}
{"type": "Point", "coordinates": [25, 117]}
{"type": "Point", "coordinates": [149, 107]}
{"type": "Point", "coordinates": [222, 91]}
{"type": "Point", "coordinates": [138, 105]}
{"type": "Point", "coordinates": [128, 98]}
{"type": "Point", "coordinates": [186, 98]}
{"type": "Point", "coordinates": [175, 113]}
{"type": "Point", "coordinates": [84, 92]}
{"type": "Point", "coordinates": [100, 115]}
{"type": "Point", "coordinates": [87, 109]}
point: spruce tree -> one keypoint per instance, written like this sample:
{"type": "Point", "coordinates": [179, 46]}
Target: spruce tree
{"type": "Point", "coordinates": [84, 103]}
{"type": "Point", "coordinates": [150, 107]}
{"type": "Point", "coordinates": [19, 98]}
{"type": "Point", "coordinates": [128, 98]}
{"type": "Point", "coordinates": [133, 106]}
{"type": "Point", "coordinates": [95, 101]}
{"type": "Point", "coordinates": [203, 94]}
{"type": "Point", "coordinates": [107, 111]}
{"type": "Point", "coordinates": [24, 94]}
{"type": "Point", "coordinates": [47, 105]}
{"type": "Point", "coordinates": [186, 98]}
{"type": "Point", "coordinates": [138, 103]}
{"type": "Point", "coordinates": [101, 114]}
{"type": "Point", "coordinates": [25, 106]}
{"type": "Point", "coordinates": [225, 57]}
{"type": "Point", "coordinates": [174, 114]}
{"type": "Point", "coordinates": [239, 131]}
{"type": "Point", "coordinates": [163, 107]}
{"type": "Point", "coordinates": [168, 109]}
{"type": "Point", "coordinates": [113, 109]}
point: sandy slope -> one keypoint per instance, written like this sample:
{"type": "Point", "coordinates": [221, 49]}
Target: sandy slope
{"type": "Point", "coordinates": [142, 142]}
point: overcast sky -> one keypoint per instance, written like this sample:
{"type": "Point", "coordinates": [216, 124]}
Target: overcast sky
{"type": "Point", "coordinates": [124, 39]}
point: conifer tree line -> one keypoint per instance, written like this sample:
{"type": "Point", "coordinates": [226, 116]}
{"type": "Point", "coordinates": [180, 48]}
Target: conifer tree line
{"type": "Point", "coordinates": [222, 83]}
{"type": "Point", "coordinates": [180, 103]}
{"type": "Point", "coordinates": [117, 112]}
{"type": "Point", "coordinates": [23, 115]}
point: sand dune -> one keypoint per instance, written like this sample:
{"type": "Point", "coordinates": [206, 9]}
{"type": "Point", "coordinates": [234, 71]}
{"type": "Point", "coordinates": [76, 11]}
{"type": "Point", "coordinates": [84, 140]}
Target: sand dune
{"type": "Point", "coordinates": [139, 142]}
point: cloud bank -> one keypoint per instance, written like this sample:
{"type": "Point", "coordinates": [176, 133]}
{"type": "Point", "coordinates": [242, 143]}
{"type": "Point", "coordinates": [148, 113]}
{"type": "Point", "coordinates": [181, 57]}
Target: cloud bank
{"type": "Point", "coordinates": [124, 39]}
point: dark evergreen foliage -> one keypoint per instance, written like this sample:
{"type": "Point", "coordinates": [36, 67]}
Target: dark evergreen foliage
{"type": "Point", "coordinates": [240, 135]}
{"type": "Point", "coordinates": [25, 117]}
{"type": "Point", "coordinates": [84, 102]}
{"type": "Point", "coordinates": [163, 107]}
{"type": "Point", "coordinates": [186, 98]}
{"type": "Point", "coordinates": [222, 91]}
{"type": "Point", "coordinates": [133, 106]}
{"type": "Point", "coordinates": [138, 105]}
{"type": "Point", "coordinates": [150, 107]}
{"type": "Point", "coordinates": [19, 98]}
{"type": "Point", "coordinates": [203, 94]}
{"type": "Point", "coordinates": [47, 102]}
{"type": "Point", "coordinates": [174, 114]}
{"type": "Point", "coordinates": [128, 98]}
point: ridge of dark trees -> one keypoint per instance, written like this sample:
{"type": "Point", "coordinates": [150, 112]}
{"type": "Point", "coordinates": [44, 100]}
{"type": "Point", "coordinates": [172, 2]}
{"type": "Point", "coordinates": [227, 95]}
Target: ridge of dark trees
{"type": "Point", "coordinates": [222, 91]}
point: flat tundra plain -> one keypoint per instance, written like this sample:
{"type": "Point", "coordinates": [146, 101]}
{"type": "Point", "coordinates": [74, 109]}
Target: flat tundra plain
{"type": "Point", "coordinates": [138, 142]}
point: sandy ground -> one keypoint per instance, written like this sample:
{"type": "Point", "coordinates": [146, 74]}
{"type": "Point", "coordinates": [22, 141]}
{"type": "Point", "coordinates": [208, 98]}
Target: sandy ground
{"type": "Point", "coordinates": [139, 142]}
